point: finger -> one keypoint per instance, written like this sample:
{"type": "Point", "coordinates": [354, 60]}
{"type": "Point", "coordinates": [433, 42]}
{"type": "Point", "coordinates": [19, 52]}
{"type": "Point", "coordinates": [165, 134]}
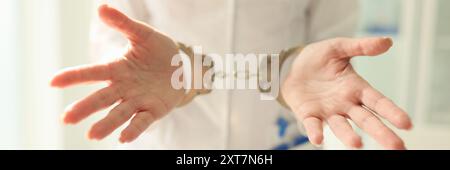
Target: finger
{"type": "Point", "coordinates": [349, 47]}
{"type": "Point", "coordinates": [81, 74]}
{"type": "Point", "coordinates": [133, 30]}
{"type": "Point", "coordinates": [93, 103]}
{"type": "Point", "coordinates": [140, 122]}
{"type": "Point", "coordinates": [314, 130]}
{"type": "Point", "coordinates": [115, 118]}
{"type": "Point", "coordinates": [375, 128]}
{"type": "Point", "coordinates": [344, 131]}
{"type": "Point", "coordinates": [377, 102]}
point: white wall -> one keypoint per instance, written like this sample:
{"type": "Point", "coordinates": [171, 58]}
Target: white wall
{"type": "Point", "coordinates": [407, 73]}
{"type": "Point", "coordinates": [75, 18]}
{"type": "Point", "coordinates": [9, 119]}
{"type": "Point", "coordinates": [38, 58]}
{"type": "Point", "coordinates": [40, 38]}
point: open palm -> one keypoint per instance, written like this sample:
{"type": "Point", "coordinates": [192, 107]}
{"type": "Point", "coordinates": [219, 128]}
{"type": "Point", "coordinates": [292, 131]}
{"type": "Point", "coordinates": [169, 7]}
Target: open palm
{"type": "Point", "coordinates": [323, 87]}
{"type": "Point", "coordinates": [139, 81]}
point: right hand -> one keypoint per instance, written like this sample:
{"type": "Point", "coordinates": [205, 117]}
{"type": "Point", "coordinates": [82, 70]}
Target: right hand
{"type": "Point", "coordinates": [139, 81]}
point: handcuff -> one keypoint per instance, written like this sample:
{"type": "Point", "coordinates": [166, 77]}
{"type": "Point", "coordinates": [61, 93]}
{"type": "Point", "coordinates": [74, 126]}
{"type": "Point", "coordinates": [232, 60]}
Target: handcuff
{"type": "Point", "coordinates": [192, 93]}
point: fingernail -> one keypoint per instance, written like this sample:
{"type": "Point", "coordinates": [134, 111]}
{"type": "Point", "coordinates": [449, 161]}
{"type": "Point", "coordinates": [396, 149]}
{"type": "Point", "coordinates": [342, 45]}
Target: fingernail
{"type": "Point", "coordinates": [317, 145]}
{"type": "Point", "coordinates": [389, 40]}
{"type": "Point", "coordinates": [357, 147]}
{"type": "Point", "coordinates": [65, 120]}
{"type": "Point", "coordinates": [104, 5]}
{"type": "Point", "coordinates": [386, 38]}
{"type": "Point", "coordinates": [122, 140]}
{"type": "Point", "coordinates": [411, 127]}
{"type": "Point", "coordinates": [91, 137]}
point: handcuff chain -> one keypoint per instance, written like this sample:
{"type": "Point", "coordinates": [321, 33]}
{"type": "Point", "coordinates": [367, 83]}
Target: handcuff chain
{"type": "Point", "coordinates": [284, 54]}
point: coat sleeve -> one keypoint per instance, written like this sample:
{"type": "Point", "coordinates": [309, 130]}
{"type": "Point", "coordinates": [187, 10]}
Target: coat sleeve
{"type": "Point", "coordinates": [329, 19]}
{"type": "Point", "coordinates": [107, 43]}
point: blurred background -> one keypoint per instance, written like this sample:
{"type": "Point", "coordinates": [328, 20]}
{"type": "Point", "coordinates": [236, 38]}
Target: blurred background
{"type": "Point", "coordinates": [40, 37]}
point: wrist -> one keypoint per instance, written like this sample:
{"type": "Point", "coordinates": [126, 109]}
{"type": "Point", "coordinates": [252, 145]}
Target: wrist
{"type": "Point", "coordinates": [286, 60]}
{"type": "Point", "coordinates": [191, 92]}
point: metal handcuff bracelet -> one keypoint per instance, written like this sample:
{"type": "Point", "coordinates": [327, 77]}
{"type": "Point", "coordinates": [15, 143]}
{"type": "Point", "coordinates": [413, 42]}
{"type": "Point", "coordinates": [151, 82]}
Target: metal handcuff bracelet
{"type": "Point", "coordinates": [192, 93]}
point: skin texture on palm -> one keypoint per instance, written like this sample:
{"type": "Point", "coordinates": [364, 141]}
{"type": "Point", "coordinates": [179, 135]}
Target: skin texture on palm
{"type": "Point", "coordinates": [139, 81]}
{"type": "Point", "coordinates": [323, 87]}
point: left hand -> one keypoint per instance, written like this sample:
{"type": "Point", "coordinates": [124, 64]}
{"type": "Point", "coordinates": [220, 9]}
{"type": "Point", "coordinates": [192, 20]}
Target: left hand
{"type": "Point", "coordinates": [323, 87]}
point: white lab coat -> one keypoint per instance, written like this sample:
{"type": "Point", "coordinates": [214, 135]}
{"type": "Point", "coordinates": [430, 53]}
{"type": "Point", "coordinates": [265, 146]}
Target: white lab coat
{"type": "Point", "coordinates": [230, 119]}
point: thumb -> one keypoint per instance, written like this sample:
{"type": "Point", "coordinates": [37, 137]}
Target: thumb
{"type": "Point", "coordinates": [348, 47]}
{"type": "Point", "coordinates": [135, 31]}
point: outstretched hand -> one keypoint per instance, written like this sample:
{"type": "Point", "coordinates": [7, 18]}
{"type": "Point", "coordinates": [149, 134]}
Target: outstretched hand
{"type": "Point", "coordinates": [139, 81]}
{"type": "Point", "coordinates": [323, 87]}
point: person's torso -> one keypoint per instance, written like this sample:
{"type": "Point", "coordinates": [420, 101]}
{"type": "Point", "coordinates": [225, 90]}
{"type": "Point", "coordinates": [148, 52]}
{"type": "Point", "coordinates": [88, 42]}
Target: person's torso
{"type": "Point", "coordinates": [229, 119]}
